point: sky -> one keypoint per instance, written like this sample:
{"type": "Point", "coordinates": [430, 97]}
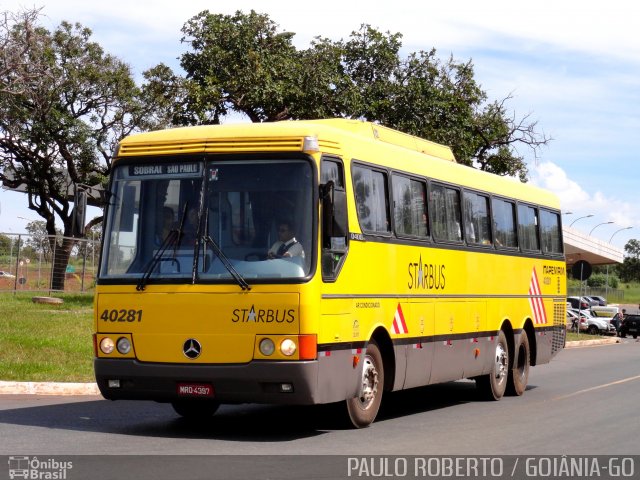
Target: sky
{"type": "Point", "coordinates": [572, 66]}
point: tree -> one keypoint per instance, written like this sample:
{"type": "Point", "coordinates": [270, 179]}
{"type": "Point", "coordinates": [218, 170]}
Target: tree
{"type": "Point", "coordinates": [629, 270]}
{"type": "Point", "coordinates": [39, 239]}
{"type": "Point", "coordinates": [632, 248]}
{"type": "Point", "coordinates": [64, 105]}
{"type": "Point", "coordinates": [242, 63]}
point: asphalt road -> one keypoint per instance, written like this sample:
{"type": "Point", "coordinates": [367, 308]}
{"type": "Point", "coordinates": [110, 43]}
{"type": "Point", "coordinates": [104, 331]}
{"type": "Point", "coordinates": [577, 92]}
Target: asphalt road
{"type": "Point", "coordinates": [585, 402]}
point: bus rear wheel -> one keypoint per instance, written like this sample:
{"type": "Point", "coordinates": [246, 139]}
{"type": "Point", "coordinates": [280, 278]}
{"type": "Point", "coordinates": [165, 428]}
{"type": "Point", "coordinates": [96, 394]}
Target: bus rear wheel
{"type": "Point", "coordinates": [519, 374]}
{"type": "Point", "coordinates": [195, 409]}
{"type": "Point", "coordinates": [363, 408]}
{"type": "Point", "coordinates": [493, 385]}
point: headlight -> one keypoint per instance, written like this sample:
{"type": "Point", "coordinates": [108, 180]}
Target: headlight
{"type": "Point", "coordinates": [123, 345]}
{"type": "Point", "coordinates": [288, 347]}
{"type": "Point", "coordinates": [106, 345]}
{"type": "Point", "coordinates": [267, 347]}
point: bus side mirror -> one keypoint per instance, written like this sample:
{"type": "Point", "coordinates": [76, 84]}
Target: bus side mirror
{"type": "Point", "coordinates": [79, 213]}
{"type": "Point", "coordinates": [334, 212]}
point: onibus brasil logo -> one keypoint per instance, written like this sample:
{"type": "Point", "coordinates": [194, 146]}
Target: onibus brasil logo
{"type": "Point", "coordinates": [33, 468]}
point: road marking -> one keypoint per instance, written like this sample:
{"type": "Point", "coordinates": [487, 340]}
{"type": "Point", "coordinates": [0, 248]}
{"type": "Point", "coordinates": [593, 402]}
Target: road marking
{"type": "Point", "coordinates": [624, 380]}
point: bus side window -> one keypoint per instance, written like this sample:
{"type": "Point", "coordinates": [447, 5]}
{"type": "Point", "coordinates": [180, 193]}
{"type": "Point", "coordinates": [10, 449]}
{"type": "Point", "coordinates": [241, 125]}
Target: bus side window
{"type": "Point", "coordinates": [476, 214]}
{"type": "Point", "coordinates": [446, 214]}
{"type": "Point", "coordinates": [528, 227]}
{"type": "Point", "coordinates": [334, 251]}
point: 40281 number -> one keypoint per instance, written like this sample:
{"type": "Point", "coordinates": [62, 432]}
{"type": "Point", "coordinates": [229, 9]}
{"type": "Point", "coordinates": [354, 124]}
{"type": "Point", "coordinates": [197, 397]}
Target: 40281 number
{"type": "Point", "coordinates": [121, 315]}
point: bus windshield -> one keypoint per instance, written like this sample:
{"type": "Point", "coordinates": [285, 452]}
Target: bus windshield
{"type": "Point", "coordinates": [184, 220]}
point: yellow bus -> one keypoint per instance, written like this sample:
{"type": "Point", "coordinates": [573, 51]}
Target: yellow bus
{"type": "Point", "coordinates": [311, 262]}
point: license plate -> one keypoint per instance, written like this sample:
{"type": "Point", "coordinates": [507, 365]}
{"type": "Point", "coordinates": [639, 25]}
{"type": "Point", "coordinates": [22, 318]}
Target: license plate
{"type": "Point", "coordinates": [195, 390]}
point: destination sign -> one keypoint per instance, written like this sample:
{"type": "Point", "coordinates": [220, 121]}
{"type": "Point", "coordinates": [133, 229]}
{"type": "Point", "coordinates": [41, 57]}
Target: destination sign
{"type": "Point", "coordinates": [164, 169]}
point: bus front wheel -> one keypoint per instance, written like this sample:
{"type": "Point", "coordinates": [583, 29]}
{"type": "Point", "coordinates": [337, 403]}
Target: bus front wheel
{"type": "Point", "coordinates": [195, 409]}
{"type": "Point", "coordinates": [363, 408]}
{"type": "Point", "coordinates": [493, 385]}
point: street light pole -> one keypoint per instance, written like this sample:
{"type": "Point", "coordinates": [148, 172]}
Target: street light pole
{"type": "Point", "coordinates": [606, 286]}
{"type": "Point", "coordinates": [603, 223]}
{"type": "Point", "coordinates": [580, 218]}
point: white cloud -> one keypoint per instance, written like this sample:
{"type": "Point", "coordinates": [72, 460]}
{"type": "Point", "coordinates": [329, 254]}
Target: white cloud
{"type": "Point", "coordinates": [573, 198]}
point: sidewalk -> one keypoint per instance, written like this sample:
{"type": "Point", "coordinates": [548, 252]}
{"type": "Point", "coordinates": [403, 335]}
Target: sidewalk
{"type": "Point", "coordinates": [48, 388]}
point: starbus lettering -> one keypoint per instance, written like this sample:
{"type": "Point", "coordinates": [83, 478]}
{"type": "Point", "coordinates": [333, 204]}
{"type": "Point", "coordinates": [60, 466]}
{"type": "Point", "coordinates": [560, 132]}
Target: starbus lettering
{"type": "Point", "coordinates": [268, 315]}
{"type": "Point", "coordinates": [427, 276]}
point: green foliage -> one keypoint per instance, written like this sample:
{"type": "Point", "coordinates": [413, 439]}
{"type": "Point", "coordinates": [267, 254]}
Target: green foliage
{"type": "Point", "coordinates": [242, 63]}
{"type": "Point", "coordinates": [629, 270]}
{"type": "Point", "coordinates": [64, 105]}
{"type": "Point", "coordinates": [633, 248]}
{"type": "Point", "coordinates": [41, 342]}
{"type": "Point", "coordinates": [599, 280]}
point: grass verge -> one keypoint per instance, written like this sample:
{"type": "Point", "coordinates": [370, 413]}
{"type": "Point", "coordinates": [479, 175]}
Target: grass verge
{"type": "Point", "coordinates": [575, 337]}
{"type": "Point", "coordinates": [43, 342]}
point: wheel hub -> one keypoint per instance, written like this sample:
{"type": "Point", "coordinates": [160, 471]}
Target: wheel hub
{"type": "Point", "coordinates": [501, 362]}
{"type": "Point", "coordinates": [369, 384]}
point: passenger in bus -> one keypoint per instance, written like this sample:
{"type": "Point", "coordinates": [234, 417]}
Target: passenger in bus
{"type": "Point", "coordinates": [287, 246]}
{"type": "Point", "coordinates": [164, 225]}
{"type": "Point", "coordinates": [190, 229]}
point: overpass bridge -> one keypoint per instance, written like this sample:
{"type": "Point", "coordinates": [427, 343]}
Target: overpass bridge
{"type": "Point", "coordinates": [580, 246]}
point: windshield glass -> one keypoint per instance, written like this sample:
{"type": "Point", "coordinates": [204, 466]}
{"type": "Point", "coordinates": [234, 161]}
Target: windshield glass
{"type": "Point", "coordinates": [239, 218]}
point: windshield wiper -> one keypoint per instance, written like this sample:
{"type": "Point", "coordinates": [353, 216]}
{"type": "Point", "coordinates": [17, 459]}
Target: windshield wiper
{"type": "Point", "coordinates": [172, 240]}
{"type": "Point", "coordinates": [227, 264]}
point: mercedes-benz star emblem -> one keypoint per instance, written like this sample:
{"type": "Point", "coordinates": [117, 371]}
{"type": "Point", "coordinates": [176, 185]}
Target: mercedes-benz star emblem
{"type": "Point", "coordinates": [192, 348]}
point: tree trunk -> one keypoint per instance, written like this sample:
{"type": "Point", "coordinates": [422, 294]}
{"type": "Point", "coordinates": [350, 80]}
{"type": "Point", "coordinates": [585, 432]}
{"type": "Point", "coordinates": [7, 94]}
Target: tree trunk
{"type": "Point", "coordinates": [61, 254]}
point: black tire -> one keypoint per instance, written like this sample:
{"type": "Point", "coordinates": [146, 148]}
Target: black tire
{"type": "Point", "coordinates": [592, 330]}
{"type": "Point", "coordinates": [635, 336]}
{"type": "Point", "coordinates": [519, 374]}
{"type": "Point", "coordinates": [195, 409]}
{"type": "Point", "coordinates": [493, 385]}
{"type": "Point", "coordinates": [363, 408]}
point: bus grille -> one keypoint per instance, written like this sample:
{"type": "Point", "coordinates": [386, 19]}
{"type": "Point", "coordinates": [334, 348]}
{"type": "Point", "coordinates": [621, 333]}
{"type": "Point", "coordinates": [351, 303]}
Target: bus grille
{"type": "Point", "coordinates": [559, 326]}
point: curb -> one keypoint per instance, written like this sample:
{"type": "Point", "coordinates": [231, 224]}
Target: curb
{"type": "Point", "coordinates": [48, 388]}
{"type": "Point", "coordinates": [589, 343]}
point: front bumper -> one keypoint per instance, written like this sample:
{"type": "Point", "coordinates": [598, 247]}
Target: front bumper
{"type": "Point", "coordinates": [254, 382]}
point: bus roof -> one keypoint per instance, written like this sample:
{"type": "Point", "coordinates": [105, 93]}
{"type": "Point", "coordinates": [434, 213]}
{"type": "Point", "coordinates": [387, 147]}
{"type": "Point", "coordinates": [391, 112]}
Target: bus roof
{"type": "Point", "coordinates": [420, 156]}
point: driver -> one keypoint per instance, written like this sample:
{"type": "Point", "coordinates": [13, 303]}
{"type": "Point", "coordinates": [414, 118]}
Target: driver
{"type": "Point", "coordinates": [287, 246]}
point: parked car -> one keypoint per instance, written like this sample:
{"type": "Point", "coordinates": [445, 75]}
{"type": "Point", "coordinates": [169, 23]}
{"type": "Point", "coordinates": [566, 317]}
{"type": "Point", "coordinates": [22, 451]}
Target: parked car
{"type": "Point", "coordinates": [593, 325]}
{"type": "Point", "coordinates": [579, 303]}
{"type": "Point", "coordinates": [601, 300]}
{"type": "Point", "coordinates": [630, 326]}
{"type": "Point", "coordinates": [574, 321]}
{"type": "Point", "coordinates": [608, 311]}
{"type": "Point", "coordinates": [592, 301]}
{"type": "Point", "coordinates": [6, 275]}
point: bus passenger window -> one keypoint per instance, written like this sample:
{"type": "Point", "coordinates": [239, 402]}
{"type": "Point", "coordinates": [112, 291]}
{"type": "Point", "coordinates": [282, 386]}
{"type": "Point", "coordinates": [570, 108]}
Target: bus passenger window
{"type": "Point", "coordinates": [445, 211]}
{"type": "Point", "coordinates": [550, 232]}
{"type": "Point", "coordinates": [477, 228]}
{"type": "Point", "coordinates": [504, 223]}
{"type": "Point", "coordinates": [409, 207]}
{"type": "Point", "coordinates": [371, 199]}
{"type": "Point", "coordinates": [528, 227]}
